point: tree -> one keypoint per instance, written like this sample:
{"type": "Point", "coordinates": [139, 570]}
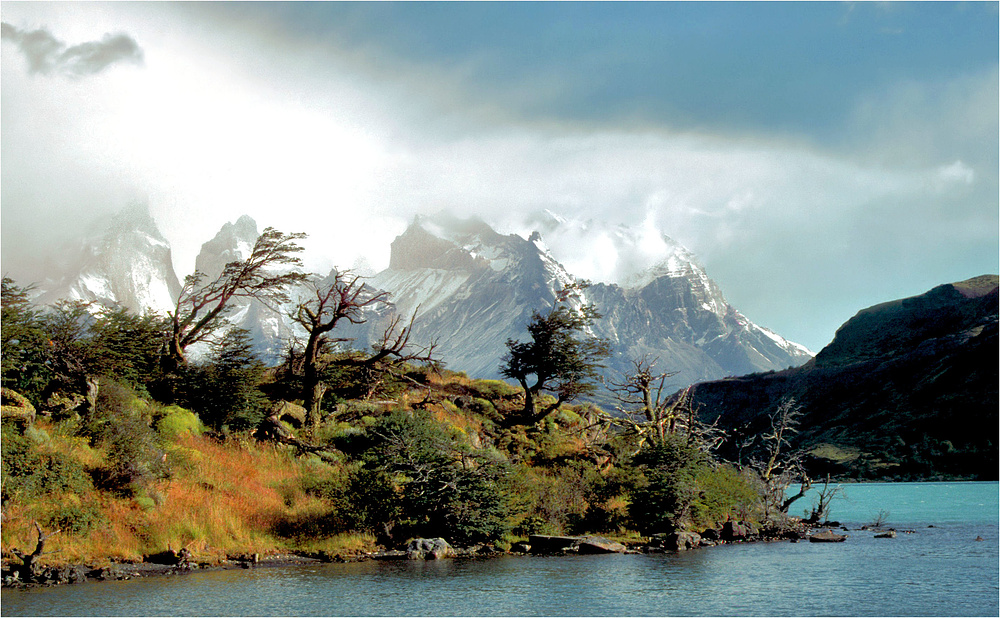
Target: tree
{"type": "Point", "coordinates": [443, 487]}
{"type": "Point", "coordinates": [662, 502]}
{"type": "Point", "coordinates": [201, 308]}
{"type": "Point", "coordinates": [24, 341]}
{"type": "Point", "coordinates": [345, 297]}
{"type": "Point", "coordinates": [780, 467]}
{"type": "Point", "coordinates": [560, 357]}
{"type": "Point", "coordinates": [226, 388]}
{"type": "Point", "coordinates": [645, 410]}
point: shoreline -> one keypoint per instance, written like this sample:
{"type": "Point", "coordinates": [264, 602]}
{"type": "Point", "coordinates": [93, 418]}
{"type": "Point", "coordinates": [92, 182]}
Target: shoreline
{"type": "Point", "coordinates": [163, 565]}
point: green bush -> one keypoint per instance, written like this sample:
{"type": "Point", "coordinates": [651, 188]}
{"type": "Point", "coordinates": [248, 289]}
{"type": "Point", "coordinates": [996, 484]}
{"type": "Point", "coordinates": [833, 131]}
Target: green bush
{"type": "Point", "coordinates": [663, 497]}
{"type": "Point", "coordinates": [723, 493]}
{"type": "Point", "coordinates": [441, 487]}
{"type": "Point", "coordinates": [77, 518]}
{"type": "Point", "coordinates": [175, 421]}
{"type": "Point", "coordinates": [28, 473]}
{"type": "Point", "coordinates": [494, 390]}
{"type": "Point", "coordinates": [133, 457]}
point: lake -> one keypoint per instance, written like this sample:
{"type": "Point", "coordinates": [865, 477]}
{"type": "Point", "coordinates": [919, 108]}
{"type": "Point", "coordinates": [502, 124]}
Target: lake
{"type": "Point", "coordinates": [939, 569]}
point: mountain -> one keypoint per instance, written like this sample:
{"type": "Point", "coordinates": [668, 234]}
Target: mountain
{"type": "Point", "coordinates": [907, 389]}
{"type": "Point", "coordinates": [128, 264]}
{"type": "Point", "coordinates": [474, 288]}
{"type": "Point", "coordinates": [270, 328]}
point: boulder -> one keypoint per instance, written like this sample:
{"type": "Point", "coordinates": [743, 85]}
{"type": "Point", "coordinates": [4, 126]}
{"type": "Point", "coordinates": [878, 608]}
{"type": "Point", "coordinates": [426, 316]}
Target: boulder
{"type": "Point", "coordinates": [545, 544]}
{"type": "Point", "coordinates": [736, 531]}
{"type": "Point", "coordinates": [683, 540]}
{"type": "Point", "coordinates": [889, 534]}
{"type": "Point", "coordinates": [429, 549]}
{"type": "Point", "coordinates": [286, 410]}
{"type": "Point", "coordinates": [598, 545]}
{"type": "Point", "coordinates": [520, 548]}
{"type": "Point", "coordinates": [711, 535]}
{"type": "Point", "coordinates": [827, 537]}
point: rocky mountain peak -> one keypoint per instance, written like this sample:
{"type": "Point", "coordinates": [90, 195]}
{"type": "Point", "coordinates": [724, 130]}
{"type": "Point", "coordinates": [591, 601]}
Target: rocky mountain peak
{"type": "Point", "coordinates": [233, 242]}
{"type": "Point", "coordinates": [128, 263]}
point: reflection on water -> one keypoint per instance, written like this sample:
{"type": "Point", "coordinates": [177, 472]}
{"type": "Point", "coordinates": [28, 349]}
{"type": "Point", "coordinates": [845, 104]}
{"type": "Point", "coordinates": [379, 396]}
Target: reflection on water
{"type": "Point", "coordinates": [935, 571]}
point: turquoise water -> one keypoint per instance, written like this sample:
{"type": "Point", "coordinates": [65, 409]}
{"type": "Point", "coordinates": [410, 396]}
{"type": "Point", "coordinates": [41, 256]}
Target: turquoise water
{"type": "Point", "coordinates": [939, 570]}
{"type": "Point", "coordinates": [909, 503]}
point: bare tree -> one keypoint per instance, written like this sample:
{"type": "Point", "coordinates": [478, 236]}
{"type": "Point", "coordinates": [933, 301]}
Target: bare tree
{"type": "Point", "coordinates": [202, 306]}
{"type": "Point", "coordinates": [821, 509]}
{"type": "Point", "coordinates": [782, 466]}
{"type": "Point", "coordinates": [28, 568]}
{"type": "Point", "coordinates": [644, 409]}
{"type": "Point", "coordinates": [345, 297]}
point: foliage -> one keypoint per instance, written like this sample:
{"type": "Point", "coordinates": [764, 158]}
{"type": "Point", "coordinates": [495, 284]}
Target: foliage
{"type": "Point", "coordinates": [175, 421]}
{"type": "Point", "coordinates": [121, 426]}
{"type": "Point", "coordinates": [201, 307]}
{"type": "Point", "coordinates": [225, 390]}
{"type": "Point", "coordinates": [24, 342]}
{"type": "Point", "coordinates": [445, 488]}
{"type": "Point", "coordinates": [663, 499]}
{"type": "Point", "coordinates": [559, 356]}
{"type": "Point", "coordinates": [30, 473]}
{"type": "Point", "coordinates": [724, 492]}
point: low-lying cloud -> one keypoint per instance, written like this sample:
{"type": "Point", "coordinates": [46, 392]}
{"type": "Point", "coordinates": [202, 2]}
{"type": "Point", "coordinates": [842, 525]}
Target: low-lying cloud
{"type": "Point", "coordinates": [47, 55]}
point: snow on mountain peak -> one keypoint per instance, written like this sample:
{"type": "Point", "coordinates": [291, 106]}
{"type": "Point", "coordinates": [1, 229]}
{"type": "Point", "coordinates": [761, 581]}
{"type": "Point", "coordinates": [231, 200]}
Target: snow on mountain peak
{"type": "Point", "coordinates": [630, 256]}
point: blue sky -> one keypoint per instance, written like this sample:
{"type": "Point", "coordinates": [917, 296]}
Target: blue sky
{"type": "Point", "coordinates": [817, 157]}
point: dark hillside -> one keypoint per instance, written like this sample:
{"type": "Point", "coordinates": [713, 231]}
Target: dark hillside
{"type": "Point", "coordinates": [907, 389]}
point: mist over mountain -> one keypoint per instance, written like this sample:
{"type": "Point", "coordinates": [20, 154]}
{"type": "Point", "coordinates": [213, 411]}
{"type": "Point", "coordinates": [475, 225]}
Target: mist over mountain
{"type": "Point", "coordinates": [128, 263]}
{"type": "Point", "coordinates": [474, 288]}
{"type": "Point", "coordinates": [471, 289]}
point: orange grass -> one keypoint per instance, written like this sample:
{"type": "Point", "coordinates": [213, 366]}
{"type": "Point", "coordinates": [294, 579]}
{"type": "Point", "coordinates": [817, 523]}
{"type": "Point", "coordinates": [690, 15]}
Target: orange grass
{"type": "Point", "coordinates": [220, 500]}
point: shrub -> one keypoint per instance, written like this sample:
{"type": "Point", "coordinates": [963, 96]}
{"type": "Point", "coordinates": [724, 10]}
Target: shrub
{"type": "Point", "coordinates": [494, 390]}
{"type": "Point", "coordinates": [438, 485]}
{"type": "Point", "coordinates": [29, 473]}
{"type": "Point", "coordinates": [722, 493]}
{"type": "Point", "coordinates": [175, 421]}
{"type": "Point", "coordinates": [75, 517]}
{"type": "Point", "coordinates": [133, 457]}
{"type": "Point", "coordinates": [662, 500]}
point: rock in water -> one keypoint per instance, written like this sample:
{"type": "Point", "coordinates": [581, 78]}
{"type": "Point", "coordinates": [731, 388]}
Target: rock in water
{"type": "Point", "coordinates": [429, 549]}
{"type": "Point", "coordinates": [598, 545]}
{"type": "Point", "coordinates": [827, 537]}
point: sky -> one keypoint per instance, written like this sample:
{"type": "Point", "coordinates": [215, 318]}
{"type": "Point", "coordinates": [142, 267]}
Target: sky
{"type": "Point", "coordinates": [817, 158]}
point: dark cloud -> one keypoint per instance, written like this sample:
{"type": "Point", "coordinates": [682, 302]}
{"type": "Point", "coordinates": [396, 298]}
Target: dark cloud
{"type": "Point", "coordinates": [48, 55]}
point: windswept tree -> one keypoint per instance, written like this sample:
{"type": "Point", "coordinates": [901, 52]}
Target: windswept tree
{"type": "Point", "coordinates": [343, 297]}
{"type": "Point", "coordinates": [201, 307]}
{"type": "Point", "coordinates": [560, 358]}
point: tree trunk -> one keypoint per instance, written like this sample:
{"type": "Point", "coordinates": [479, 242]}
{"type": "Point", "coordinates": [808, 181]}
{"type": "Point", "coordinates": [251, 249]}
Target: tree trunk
{"type": "Point", "coordinates": [29, 569]}
{"type": "Point", "coordinates": [313, 389]}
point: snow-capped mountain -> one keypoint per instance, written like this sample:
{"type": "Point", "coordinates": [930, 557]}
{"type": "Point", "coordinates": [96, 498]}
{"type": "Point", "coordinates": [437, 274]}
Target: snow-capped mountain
{"type": "Point", "coordinates": [270, 327]}
{"type": "Point", "coordinates": [127, 264]}
{"type": "Point", "coordinates": [474, 288]}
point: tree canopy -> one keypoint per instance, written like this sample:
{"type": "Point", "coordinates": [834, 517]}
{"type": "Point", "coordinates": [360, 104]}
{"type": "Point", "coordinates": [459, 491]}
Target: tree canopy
{"type": "Point", "coordinates": [560, 357]}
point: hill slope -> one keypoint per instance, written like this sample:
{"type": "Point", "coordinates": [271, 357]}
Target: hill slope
{"type": "Point", "coordinates": [907, 389]}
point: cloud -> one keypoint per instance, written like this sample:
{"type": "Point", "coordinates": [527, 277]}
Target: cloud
{"type": "Point", "coordinates": [48, 55]}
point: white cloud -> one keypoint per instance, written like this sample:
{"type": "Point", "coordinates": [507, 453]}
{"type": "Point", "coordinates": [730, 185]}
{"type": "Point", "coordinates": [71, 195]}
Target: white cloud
{"type": "Point", "coordinates": [218, 123]}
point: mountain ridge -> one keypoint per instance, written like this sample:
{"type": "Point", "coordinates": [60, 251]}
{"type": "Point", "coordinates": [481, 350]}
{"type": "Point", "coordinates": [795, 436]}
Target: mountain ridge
{"type": "Point", "coordinates": [907, 389]}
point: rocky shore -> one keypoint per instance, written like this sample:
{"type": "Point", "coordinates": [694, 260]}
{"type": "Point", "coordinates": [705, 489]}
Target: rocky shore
{"type": "Point", "coordinates": [172, 562]}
